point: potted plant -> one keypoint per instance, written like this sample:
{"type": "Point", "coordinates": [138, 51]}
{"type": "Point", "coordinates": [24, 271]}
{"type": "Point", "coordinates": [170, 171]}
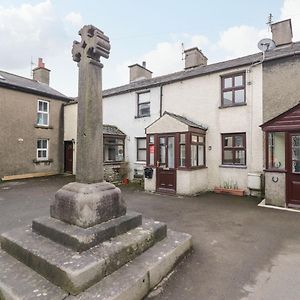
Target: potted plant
{"type": "Point", "coordinates": [229, 188]}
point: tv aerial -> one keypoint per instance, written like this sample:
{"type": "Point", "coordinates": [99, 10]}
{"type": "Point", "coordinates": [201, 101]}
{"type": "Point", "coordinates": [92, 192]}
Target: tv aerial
{"type": "Point", "coordinates": [265, 45]}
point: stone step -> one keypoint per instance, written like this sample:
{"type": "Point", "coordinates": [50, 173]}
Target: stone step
{"type": "Point", "coordinates": [81, 239]}
{"type": "Point", "coordinates": [134, 280]}
{"type": "Point", "coordinates": [18, 282]}
{"type": "Point", "coordinates": [76, 272]}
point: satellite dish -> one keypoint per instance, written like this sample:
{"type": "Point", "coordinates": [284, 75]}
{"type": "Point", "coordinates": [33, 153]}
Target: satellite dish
{"type": "Point", "coordinates": [266, 45]}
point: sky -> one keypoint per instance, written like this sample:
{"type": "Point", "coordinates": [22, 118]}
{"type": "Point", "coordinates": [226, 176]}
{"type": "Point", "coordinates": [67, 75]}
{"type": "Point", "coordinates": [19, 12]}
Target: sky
{"type": "Point", "coordinates": [139, 30]}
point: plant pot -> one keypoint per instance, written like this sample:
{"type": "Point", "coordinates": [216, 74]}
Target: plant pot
{"type": "Point", "coordinates": [234, 192]}
{"type": "Point", "coordinates": [125, 181]}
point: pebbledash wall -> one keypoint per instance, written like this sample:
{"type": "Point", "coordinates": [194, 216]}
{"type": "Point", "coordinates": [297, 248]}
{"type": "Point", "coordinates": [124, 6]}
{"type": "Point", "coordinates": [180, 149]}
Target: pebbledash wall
{"type": "Point", "coordinates": [199, 100]}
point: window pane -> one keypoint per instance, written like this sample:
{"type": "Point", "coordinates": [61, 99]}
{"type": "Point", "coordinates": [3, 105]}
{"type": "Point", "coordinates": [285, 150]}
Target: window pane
{"type": "Point", "coordinates": [228, 142]}
{"type": "Point", "coordinates": [45, 106]}
{"type": "Point", "coordinates": [238, 80]}
{"type": "Point", "coordinates": [162, 151]}
{"type": "Point", "coordinates": [194, 138]}
{"type": "Point", "coordinates": [44, 153]}
{"type": "Point", "coordinates": [276, 150]}
{"type": "Point", "coordinates": [120, 141]}
{"type": "Point", "coordinates": [240, 157]}
{"type": "Point", "coordinates": [39, 144]}
{"type": "Point", "coordinates": [228, 156]}
{"type": "Point", "coordinates": [151, 154]}
{"type": "Point", "coordinates": [296, 166]}
{"type": "Point", "coordinates": [227, 98]}
{"type": "Point", "coordinates": [45, 119]}
{"type": "Point", "coordinates": [201, 139]}
{"type": "Point", "coordinates": [193, 155]}
{"type": "Point", "coordinates": [40, 105]}
{"type": "Point", "coordinates": [200, 155]}
{"type": "Point", "coordinates": [227, 82]}
{"type": "Point", "coordinates": [108, 140]}
{"type": "Point", "coordinates": [151, 139]}
{"type": "Point", "coordinates": [144, 109]}
{"type": "Point", "coordinates": [142, 155]}
{"type": "Point", "coordinates": [239, 96]}
{"type": "Point", "coordinates": [239, 141]}
{"type": "Point", "coordinates": [141, 143]}
{"type": "Point", "coordinates": [144, 97]}
{"type": "Point", "coordinates": [182, 138]}
{"type": "Point", "coordinates": [296, 141]}
{"type": "Point", "coordinates": [171, 156]}
{"type": "Point", "coordinates": [182, 156]}
{"type": "Point", "coordinates": [44, 144]}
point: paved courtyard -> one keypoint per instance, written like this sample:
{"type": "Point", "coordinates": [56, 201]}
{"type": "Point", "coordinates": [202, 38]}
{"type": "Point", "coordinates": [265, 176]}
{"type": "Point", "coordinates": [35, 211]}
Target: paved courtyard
{"type": "Point", "coordinates": [241, 251]}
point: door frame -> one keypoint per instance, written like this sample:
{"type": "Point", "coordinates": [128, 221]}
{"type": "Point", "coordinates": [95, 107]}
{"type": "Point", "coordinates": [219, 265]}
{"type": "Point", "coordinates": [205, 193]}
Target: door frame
{"type": "Point", "coordinates": [70, 142]}
{"type": "Point", "coordinates": [157, 142]}
{"type": "Point", "coordinates": [289, 173]}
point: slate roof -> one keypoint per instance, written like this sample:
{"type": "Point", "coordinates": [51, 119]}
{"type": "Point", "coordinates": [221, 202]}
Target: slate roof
{"type": "Point", "coordinates": [290, 50]}
{"type": "Point", "coordinates": [185, 121]}
{"type": "Point", "coordinates": [112, 130]}
{"type": "Point", "coordinates": [27, 85]}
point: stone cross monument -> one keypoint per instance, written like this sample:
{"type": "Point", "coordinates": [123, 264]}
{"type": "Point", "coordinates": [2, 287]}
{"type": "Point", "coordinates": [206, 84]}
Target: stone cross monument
{"type": "Point", "coordinates": [89, 200]}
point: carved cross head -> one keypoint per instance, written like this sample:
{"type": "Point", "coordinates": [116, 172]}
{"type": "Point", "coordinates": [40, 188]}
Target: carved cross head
{"type": "Point", "coordinates": [94, 44]}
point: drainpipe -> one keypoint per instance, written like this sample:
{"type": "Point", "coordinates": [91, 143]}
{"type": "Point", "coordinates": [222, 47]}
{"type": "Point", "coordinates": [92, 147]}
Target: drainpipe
{"type": "Point", "coordinates": [160, 100]}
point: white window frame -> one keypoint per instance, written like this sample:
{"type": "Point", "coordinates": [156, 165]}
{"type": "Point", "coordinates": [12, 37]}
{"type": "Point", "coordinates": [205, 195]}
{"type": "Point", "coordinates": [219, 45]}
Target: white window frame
{"type": "Point", "coordinates": [43, 112]}
{"type": "Point", "coordinates": [42, 149]}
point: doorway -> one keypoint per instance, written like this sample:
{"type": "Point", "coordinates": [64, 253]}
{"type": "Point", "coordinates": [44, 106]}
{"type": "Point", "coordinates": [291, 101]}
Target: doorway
{"type": "Point", "coordinates": [68, 149]}
{"type": "Point", "coordinates": [293, 170]}
{"type": "Point", "coordinates": [166, 171]}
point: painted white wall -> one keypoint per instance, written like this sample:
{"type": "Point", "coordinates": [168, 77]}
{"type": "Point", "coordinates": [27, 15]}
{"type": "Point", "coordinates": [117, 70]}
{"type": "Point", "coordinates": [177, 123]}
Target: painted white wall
{"type": "Point", "coordinates": [199, 100]}
{"type": "Point", "coordinates": [191, 182]}
{"type": "Point", "coordinates": [121, 111]}
{"type": "Point", "coordinates": [70, 128]}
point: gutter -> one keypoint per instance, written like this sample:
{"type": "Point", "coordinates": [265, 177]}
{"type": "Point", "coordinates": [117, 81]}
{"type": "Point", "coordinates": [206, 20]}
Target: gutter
{"type": "Point", "coordinates": [160, 100]}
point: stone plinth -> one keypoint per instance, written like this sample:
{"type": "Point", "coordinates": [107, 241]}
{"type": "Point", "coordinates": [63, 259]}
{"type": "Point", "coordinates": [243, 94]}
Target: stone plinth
{"type": "Point", "coordinates": [86, 205]}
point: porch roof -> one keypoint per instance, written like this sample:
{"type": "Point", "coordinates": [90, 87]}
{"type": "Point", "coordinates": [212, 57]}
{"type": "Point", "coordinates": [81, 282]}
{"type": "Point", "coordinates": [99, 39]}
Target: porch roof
{"type": "Point", "coordinates": [112, 130]}
{"type": "Point", "coordinates": [285, 122]}
{"type": "Point", "coordinates": [170, 122]}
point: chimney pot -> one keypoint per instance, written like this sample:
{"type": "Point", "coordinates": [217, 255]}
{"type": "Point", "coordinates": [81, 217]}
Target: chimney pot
{"type": "Point", "coordinates": [144, 64]}
{"type": "Point", "coordinates": [282, 33]}
{"type": "Point", "coordinates": [194, 58]}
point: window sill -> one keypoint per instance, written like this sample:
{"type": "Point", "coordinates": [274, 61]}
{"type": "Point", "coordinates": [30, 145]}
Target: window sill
{"type": "Point", "coordinates": [43, 126]}
{"type": "Point", "coordinates": [233, 166]}
{"type": "Point", "coordinates": [45, 161]}
{"type": "Point", "coordinates": [140, 162]}
{"type": "Point", "coordinates": [114, 162]}
{"type": "Point", "coordinates": [140, 117]}
{"type": "Point", "coordinates": [234, 105]}
{"type": "Point", "coordinates": [191, 168]}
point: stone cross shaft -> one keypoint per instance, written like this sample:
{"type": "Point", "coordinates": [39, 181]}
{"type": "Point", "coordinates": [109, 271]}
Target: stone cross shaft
{"type": "Point", "coordinates": [87, 53]}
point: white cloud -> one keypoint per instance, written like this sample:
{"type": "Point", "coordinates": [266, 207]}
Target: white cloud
{"type": "Point", "coordinates": [241, 40]}
{"type": "Point", "coordinates": [75, 19]}
{"type": "Point", "coordinates": [291, 9]}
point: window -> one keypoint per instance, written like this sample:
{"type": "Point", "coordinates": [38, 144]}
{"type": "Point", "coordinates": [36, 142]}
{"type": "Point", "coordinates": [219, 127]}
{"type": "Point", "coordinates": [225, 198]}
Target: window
{"type": "Point", "coordinates": [141, 149]}
{"type": "Point", "coordinates": [276, 150]}
{"type": "Point", "coordinates": [233, 90]}
{"type": "Point", "coordinates": [197, 150]}
{"type": "Point", "coordinates": [43, 113]}
{"type": "Point", "coordinates": [42, 149]}
{"type": "Point", "coordinates": [234, 149]}
{"type": "Point", "coordinates": [143, 104]}
{"type": "Point", "coordinates": [182, 150]}
{"type": "Point", "coordinates": [113, 149]}
{"type": "Point", "coordinates": [151, 150]}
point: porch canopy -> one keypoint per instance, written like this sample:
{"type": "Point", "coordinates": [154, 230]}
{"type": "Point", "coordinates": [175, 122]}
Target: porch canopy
{"type": "Point", "coordinates": [282, 152]}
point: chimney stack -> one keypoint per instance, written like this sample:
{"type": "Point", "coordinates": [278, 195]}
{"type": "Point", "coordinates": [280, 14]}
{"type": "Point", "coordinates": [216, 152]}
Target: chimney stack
{"type": "Point", "coordinates": [40, 73]}
{"type": "Point", "coordinates": [282, 32]}
{"type": "Point", "coordinates": [194, 58]}
{"type": "Point", "coordinates": [138, 72]}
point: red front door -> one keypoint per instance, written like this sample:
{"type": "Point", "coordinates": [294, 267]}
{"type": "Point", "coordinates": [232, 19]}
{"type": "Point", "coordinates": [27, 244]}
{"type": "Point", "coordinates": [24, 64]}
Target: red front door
{"type": "Point", "coordinates": [166, 172]}
{"type": "Point", "coordinates": [293, 170]}
{"type": "Point", "coordinates": [69, 156]}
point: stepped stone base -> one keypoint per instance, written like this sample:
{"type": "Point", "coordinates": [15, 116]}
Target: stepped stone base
{"type": "Point", "coordinates": [80, 239]}
{"type": "Point", "coordinates": [76, 272]}
{"type": "Point", "coordinates": [133, 281]}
